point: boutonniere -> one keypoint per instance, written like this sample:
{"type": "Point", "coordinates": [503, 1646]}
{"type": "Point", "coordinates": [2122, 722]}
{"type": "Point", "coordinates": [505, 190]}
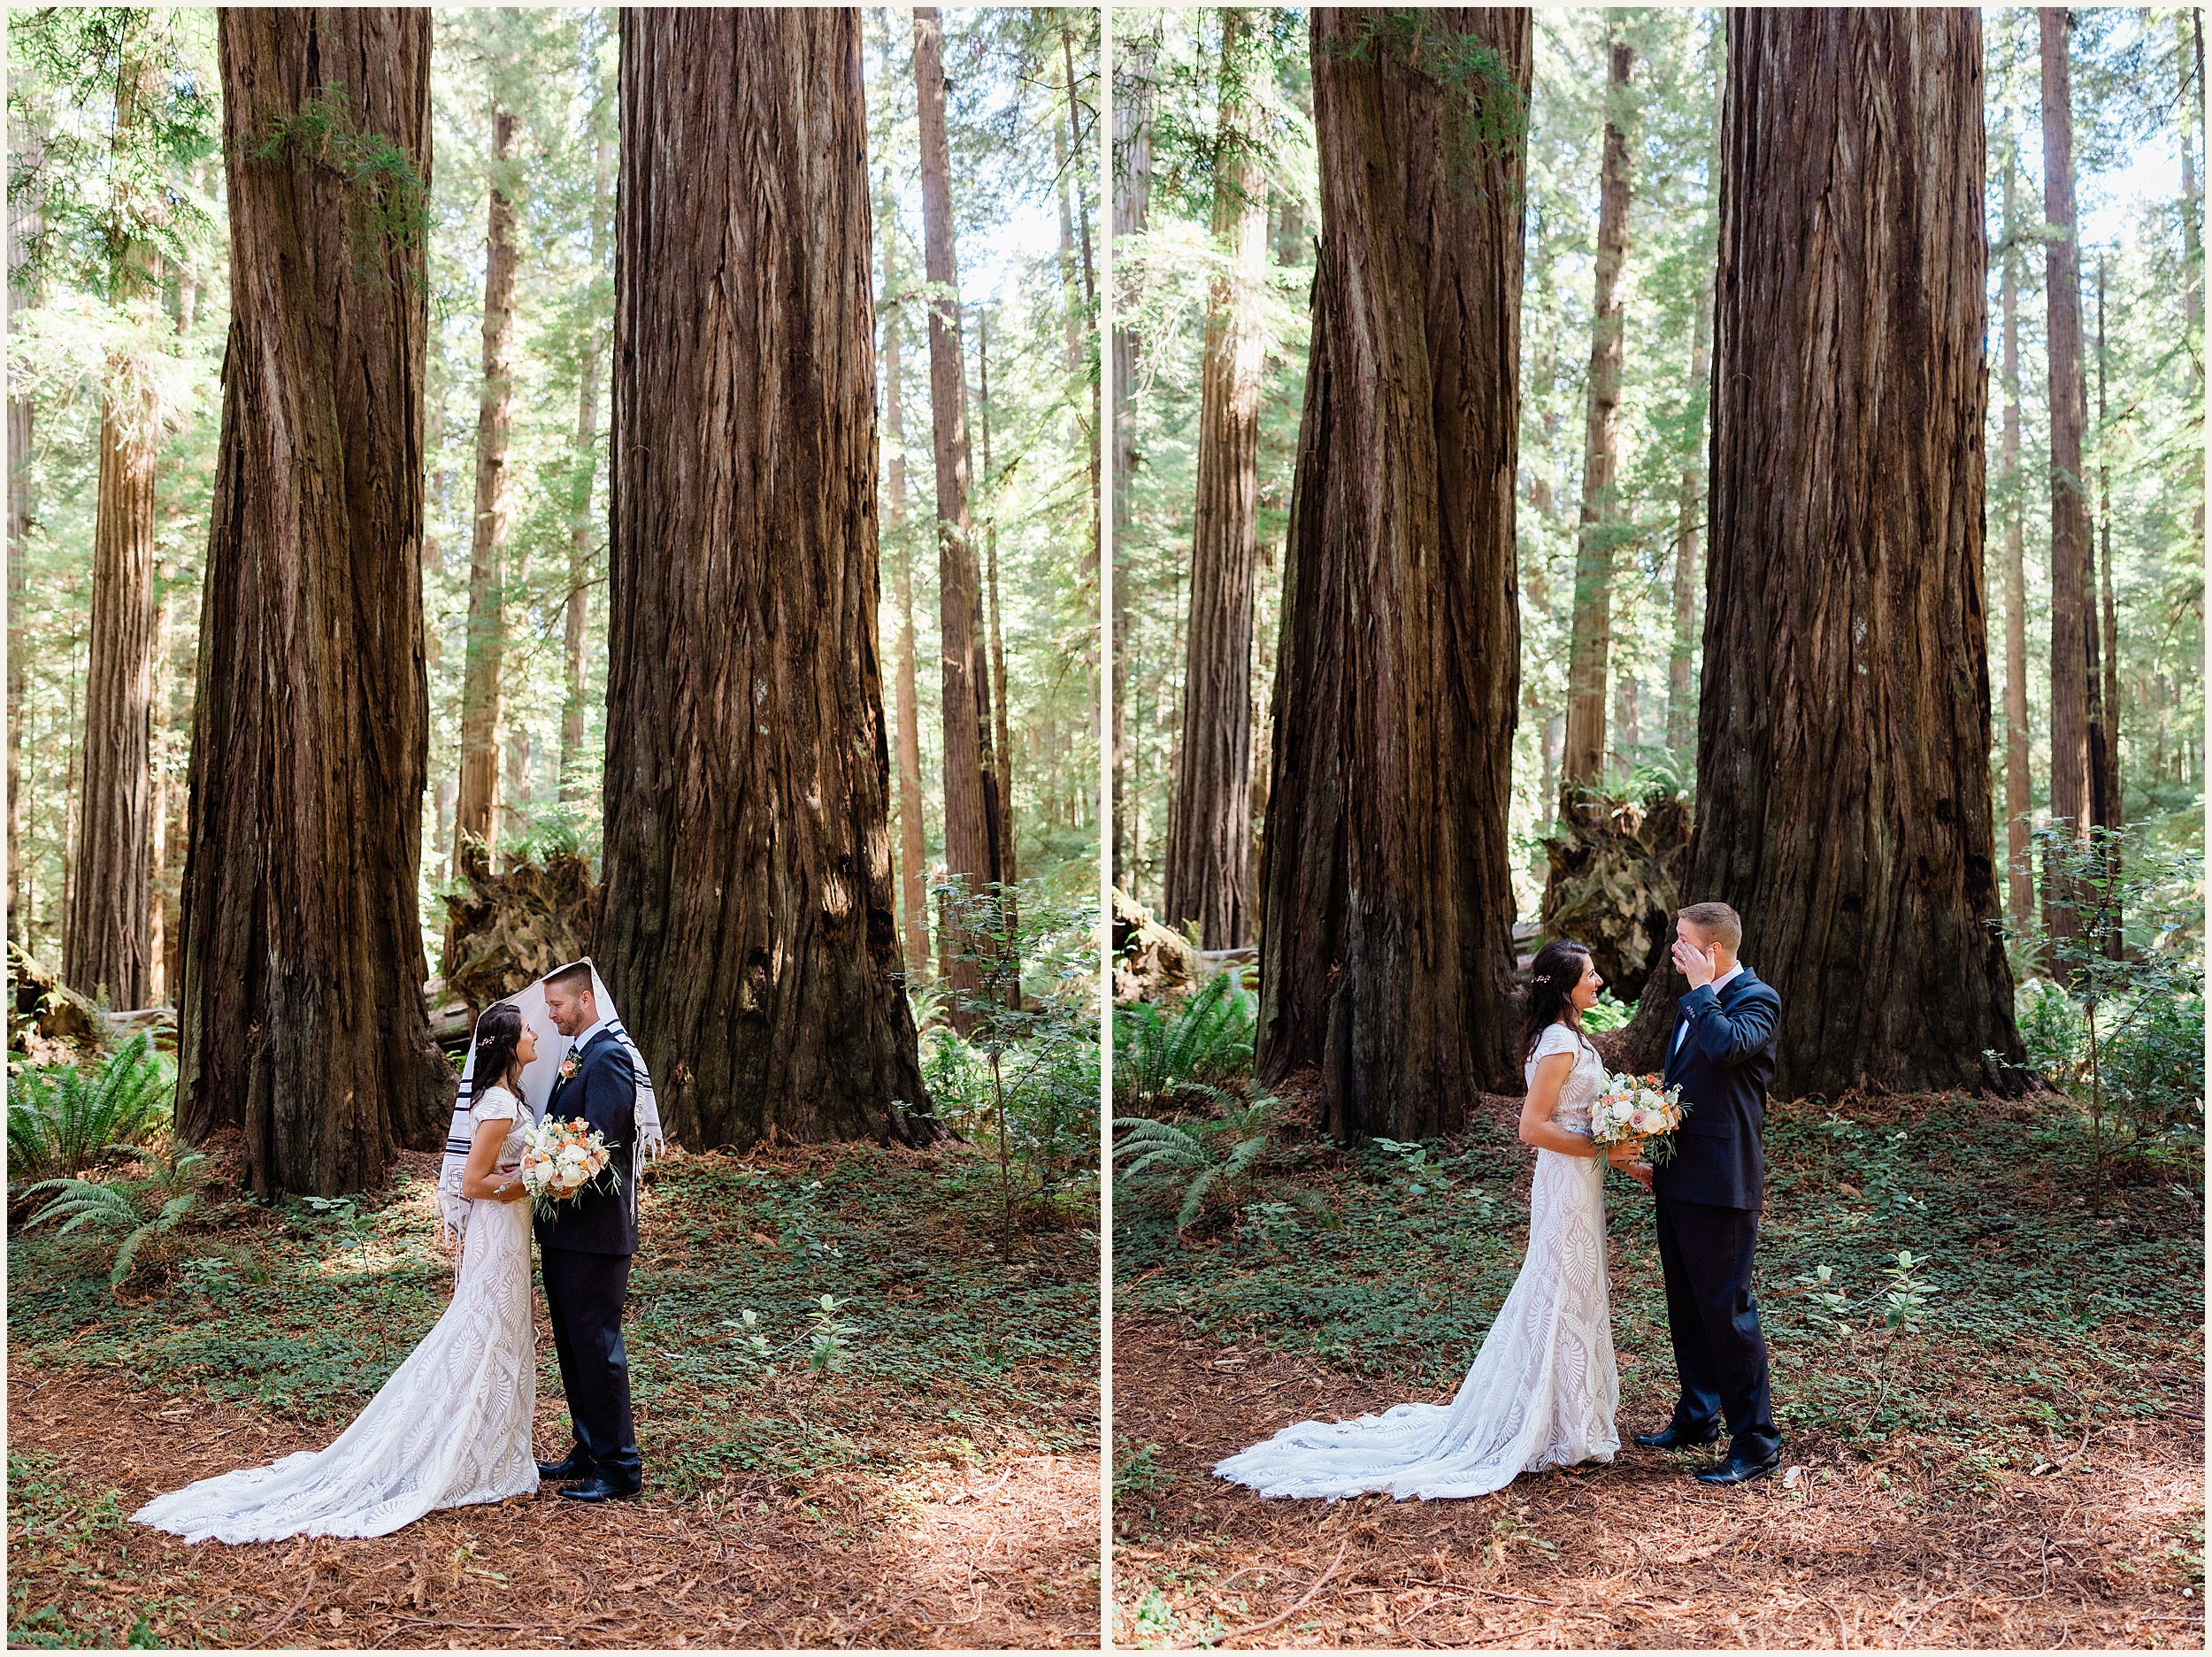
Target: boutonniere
{"type": "Point", "coordinates": [569, 1067]}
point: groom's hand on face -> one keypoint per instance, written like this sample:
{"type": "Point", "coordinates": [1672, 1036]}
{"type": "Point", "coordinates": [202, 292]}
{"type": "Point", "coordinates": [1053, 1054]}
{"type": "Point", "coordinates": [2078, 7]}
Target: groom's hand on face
{"type": "Point", "coordinates": [1694, 964]}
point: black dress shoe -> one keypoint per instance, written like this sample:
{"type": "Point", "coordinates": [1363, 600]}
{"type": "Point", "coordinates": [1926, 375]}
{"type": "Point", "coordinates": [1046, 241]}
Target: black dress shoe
{"type": "Point", "coordinates": [599, 1487]}
{"type": "Point", "coordinates": [1738, 1468]}
{"type": "Point", "coordinates": [576, 1464]}
{"type": "Point", "coordinates": [1672, 1438]}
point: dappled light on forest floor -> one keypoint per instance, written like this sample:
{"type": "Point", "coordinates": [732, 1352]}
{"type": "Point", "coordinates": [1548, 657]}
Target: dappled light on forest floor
{"type": "Point", "coordinates": [2016, 1461]}
{"type": "Point", "coordinates": [987, 1556]}
{"type": "Point", "coordinates": [934, 1482]}
{"type": "Point", "coordinates": [2095, 1551]}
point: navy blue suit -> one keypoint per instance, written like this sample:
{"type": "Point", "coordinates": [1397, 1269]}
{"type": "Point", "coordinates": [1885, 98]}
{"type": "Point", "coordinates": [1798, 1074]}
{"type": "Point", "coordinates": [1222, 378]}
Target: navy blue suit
{"type": "Point", "coordinates": [584, 1253]}
{"type": "Point", "coordinates": [1708, 1197]}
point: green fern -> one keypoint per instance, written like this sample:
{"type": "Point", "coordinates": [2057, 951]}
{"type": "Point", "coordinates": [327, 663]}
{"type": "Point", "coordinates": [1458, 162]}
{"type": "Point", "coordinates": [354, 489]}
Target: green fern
{"type": "Point", "coordinates": [143, 1209]}
{"type": "Point", "coordinates": [1204, 1044]}
{"type": "Point", "coordinates": [62, 1121]}
{"type": "Point", "coordinates": [1215, 1157]}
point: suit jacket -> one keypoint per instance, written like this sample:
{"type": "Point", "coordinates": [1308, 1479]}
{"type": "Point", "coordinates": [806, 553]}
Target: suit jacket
{"type": "Point", "coordinates": [604, 1092]}
{"type": "Point", "coordinates": [1723, 1065]}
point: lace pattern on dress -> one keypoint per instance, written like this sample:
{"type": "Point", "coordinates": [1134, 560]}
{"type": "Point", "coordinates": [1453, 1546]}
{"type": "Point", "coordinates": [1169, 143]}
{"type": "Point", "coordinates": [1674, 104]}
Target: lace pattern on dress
{"type": "Point", "coordinates": [451, 1427]}
{"type": "Point", "coordinates": [1544, 1387]}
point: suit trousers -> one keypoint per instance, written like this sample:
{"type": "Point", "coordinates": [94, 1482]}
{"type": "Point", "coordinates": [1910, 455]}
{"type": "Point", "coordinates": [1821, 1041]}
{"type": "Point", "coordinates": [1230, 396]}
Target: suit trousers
{"type": "Point", "coordinates": [584, 1294]}
{"type": "Point", "coordinates": [1705, 1258]}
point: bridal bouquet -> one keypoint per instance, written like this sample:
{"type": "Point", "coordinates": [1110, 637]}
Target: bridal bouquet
{"type": "Point", "coordinates": [560, 1162]}
{"type": "Point", "coordinates": [1637, 1108]}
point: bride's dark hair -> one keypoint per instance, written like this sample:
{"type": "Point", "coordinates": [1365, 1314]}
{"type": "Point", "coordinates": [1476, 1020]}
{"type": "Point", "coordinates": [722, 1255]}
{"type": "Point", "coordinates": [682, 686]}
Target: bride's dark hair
{"type": "Point", "coordinates": [498, 1033]}
{"type": "Point", "coordinates": [1558, 968]}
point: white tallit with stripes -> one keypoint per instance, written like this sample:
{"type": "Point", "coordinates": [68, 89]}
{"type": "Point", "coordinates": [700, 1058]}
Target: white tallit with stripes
{"type": "Point", "coordinates": [538, 1078]}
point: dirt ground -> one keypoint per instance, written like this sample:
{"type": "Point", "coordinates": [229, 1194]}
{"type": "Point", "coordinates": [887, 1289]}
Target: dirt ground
{"type": "Point", "coordinates": [1634, 1553]}
{"type": "Point", "coordinates": [994, 1556]}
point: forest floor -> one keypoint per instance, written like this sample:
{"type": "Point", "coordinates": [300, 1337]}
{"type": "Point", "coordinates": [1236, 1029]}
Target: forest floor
{"type": "Point", "coordinates": [2022, 1466]}
{"type": "Point", "coordinates": [939, 1489]}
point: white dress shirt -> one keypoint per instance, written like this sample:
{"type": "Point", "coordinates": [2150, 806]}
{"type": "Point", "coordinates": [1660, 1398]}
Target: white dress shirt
{"type": "Point", "coordinates": [1719, 983]}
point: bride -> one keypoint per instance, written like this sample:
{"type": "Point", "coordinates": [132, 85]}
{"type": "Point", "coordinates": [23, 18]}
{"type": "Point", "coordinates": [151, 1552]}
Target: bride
{"type": "Point", "coordinates": [452, 1425]}
{"type": "Point", "coordinates": [1543, 1388]}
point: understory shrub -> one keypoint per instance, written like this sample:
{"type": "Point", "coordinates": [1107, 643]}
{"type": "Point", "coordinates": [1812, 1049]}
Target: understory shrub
{"type": "Point", "coordinates": [65, 1119]}
{"type": "Point", "coordinates": [1187, 1056]}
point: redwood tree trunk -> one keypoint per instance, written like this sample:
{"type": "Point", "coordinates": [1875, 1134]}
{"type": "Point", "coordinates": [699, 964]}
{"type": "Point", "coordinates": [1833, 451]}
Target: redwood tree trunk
{"type": "Point", "coordinates": [2071, 611]}
{"type": "Point", "coordinates": [107, 934]}
{"type": "Point", "coordinates": [1843, 739]}
{"type": "Point", "coordinates": [106, 941]}
{"type": "Point", "coordinates": [2019, 799]}
{"type": "Point", "coordinates": [1010, 869]}
{"type": "Point", "coordinates": [748, 928]}
{"type": "Point", "coordinates": [970, 773]}
{"type": "Point", "coordinates": [1132, 195]}
{"type": "Point", "coordinates": [477, 813]}
{"type": "Point", "coordinates": [1681, 698]}
{"type": "Point", "coordinates": [1209, 833]}
{"type": "Point", "coordinates": [1592, 638]}
{"type": "Point", "coordinates": [23, 223]}
{"type": "Point", "coordinates": [301, 1013]}
{"type": "Point", "coordinates": [913, 900]}
{"type": "Point", "coordinates": [1386, 954]}
{"type": "Point", "coordinates": [580, 523]}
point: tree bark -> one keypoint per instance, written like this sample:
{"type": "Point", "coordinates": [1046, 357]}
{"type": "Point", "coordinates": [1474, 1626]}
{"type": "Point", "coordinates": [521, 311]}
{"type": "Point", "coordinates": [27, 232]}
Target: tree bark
{"type": "Point", "coordinates": [1071, 292]}
{"type": "Point", "coordinates": [970, 774]}
{"type": "Point", "coordinates": [2072, 614]}
{"type": "Point", "coordinates": [2019, 798]}
{"type": "Point", "coordinates": [1591, 643]}
{"type": "Point", "coordinates": [23, 224]}
{"type": "Point", "coordinates": [1132, 195]}
{"type": "Point", "coordinates": [1681, 695]}
{"type": "Point", "coordinates": [107, 942]}
{"type": "Point", "coordinates": [1089, 418]}
{"type": "Point", "coordinates": [1386, 954]}
{"type": "Point", "coordinates": [748, 928]}
{"type": "Point", "coordinates": [2109, 704]}
{"type": "Point", "coordinates": [1843, 739]}
{"type": "Point", "coordinates": [575, 612]}
{"type": "Point", "coordinates": [1008, 867]}
{"type": "Point", "coordinates": [2110, 701]}
{"type": "Point", "coordinates": [477, 813]}
{"type": "Point", "coordinates": [1209, 833]}
{"type": "Point", "coordinates": [301, 1016]}
{"type": "Point", "coordinates": [913, 901]}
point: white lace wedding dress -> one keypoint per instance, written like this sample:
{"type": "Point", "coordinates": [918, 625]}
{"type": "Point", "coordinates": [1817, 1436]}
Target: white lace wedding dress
{"type": "Point", "coordinates": [451, 1426]}
{"type": "Point", "coordinates": [1543, 1388]}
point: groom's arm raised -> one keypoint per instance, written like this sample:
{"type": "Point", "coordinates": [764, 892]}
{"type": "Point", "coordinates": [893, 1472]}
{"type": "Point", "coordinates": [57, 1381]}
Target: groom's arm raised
{"type": "Point", "coordinates": [1730, 1037]}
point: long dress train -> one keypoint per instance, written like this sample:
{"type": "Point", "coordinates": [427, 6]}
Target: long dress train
{"type": "Point", "coordinates": [451, 1426]}
{"type": "Point", "coordinates": [1544, 1387]}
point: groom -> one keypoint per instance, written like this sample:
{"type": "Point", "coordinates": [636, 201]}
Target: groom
{"type": "Point", "coordinates": [1708, 1197]}
{"type": "Point", "coordinates": [584, 1249]}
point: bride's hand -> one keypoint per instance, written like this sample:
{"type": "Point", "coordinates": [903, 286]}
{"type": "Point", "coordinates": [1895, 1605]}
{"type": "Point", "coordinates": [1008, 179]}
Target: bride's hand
{"type": "Point", "coordinates": [1641, 1172]}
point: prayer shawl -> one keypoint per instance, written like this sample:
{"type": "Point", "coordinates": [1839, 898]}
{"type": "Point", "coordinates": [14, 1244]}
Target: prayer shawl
{"type": "Point", "coordinates": [537, 1088]}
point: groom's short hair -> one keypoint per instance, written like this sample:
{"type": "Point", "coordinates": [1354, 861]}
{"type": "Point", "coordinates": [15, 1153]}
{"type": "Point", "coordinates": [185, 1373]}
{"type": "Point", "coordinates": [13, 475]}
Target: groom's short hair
{"type": "Point", "coordinates": [1717, 922]}
{"type": "Point", "coordinates": [576, 977]}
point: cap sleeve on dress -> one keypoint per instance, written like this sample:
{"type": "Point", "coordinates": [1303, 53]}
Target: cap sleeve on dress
{"type": "Point", "coordinates": [495, 1104]}
{"type": "Point", "coordinates": [1556, 1038]}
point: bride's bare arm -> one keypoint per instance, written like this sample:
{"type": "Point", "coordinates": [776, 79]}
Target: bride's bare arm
{"type": "Point", "coordinates": [1537, 1127]}
{"type": "Point", "coordinates": [478, 1180]}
